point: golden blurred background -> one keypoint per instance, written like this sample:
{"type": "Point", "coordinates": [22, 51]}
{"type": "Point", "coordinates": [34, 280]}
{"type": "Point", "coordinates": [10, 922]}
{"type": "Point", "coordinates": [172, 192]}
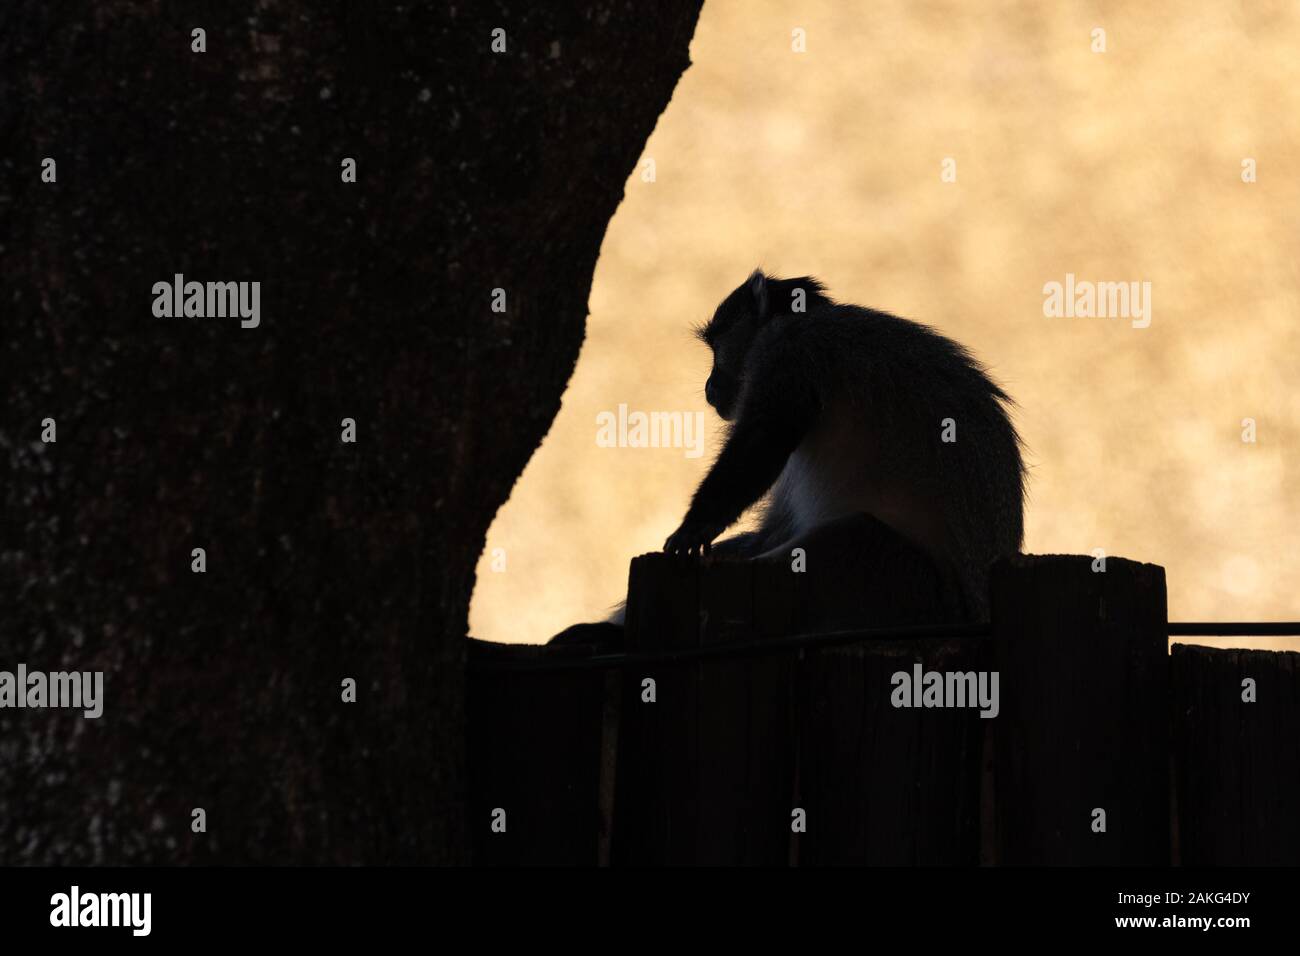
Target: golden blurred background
{"type": "Point", "coordinates": [1122, 165]}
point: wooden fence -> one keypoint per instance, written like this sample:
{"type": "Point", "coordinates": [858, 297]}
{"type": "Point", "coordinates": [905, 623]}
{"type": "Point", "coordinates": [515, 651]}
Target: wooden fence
{"type": "Point", "coordinates": [716, 739]}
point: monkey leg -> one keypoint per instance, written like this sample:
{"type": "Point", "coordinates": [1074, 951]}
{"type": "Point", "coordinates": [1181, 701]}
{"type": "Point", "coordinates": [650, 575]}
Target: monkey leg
{"type": "Point", "coordinates": [746, 545]}
{"type": "Point", "coordinates": [847, 554]}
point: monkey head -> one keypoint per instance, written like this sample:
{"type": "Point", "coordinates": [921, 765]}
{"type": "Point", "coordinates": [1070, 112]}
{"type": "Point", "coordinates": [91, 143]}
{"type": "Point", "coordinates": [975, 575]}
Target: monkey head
{"type": "Point", "coordinates": [736, 323]}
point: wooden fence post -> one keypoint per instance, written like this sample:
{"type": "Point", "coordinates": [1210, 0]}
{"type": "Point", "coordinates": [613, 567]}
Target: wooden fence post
{"type": "Point", "coordinates": [655, 811]}
{"type": "Point", "coordinates": [1236, 717]}
{"type": "Point", "coordinates": [715, 770]}
{"type": "Point", "coordinates": [1082, 739]}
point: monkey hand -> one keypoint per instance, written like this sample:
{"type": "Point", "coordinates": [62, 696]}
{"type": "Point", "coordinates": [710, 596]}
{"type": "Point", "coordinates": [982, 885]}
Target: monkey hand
{"type": "Point", "coordinates": [694, 536]}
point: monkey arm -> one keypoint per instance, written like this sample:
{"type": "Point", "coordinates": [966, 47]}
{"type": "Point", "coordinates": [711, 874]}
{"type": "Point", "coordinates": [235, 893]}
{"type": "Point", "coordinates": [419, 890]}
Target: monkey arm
{"type": "Point", "coordinates": [770, 426]}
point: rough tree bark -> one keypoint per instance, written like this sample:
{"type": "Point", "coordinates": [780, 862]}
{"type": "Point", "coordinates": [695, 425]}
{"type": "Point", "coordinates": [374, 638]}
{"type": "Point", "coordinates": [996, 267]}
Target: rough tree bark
{"type": "Point", "coordinates": [325, 560]}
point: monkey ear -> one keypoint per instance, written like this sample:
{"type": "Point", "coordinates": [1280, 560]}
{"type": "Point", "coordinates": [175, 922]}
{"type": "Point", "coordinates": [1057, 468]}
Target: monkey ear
{"type": "Point", "coordinates": [758, 290]}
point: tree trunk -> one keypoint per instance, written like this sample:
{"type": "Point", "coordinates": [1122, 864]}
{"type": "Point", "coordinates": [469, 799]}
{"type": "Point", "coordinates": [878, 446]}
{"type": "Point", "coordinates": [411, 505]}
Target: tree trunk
{"type": "Point", "coordinates": [325, 560]}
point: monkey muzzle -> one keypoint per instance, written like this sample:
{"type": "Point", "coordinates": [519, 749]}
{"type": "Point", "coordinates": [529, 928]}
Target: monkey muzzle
{"type": "Point", "coordinates": [720, 392]}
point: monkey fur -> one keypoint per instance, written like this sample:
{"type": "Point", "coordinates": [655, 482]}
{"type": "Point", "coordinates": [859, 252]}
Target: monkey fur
{"type": "Point", "coordinates": [837, 410]}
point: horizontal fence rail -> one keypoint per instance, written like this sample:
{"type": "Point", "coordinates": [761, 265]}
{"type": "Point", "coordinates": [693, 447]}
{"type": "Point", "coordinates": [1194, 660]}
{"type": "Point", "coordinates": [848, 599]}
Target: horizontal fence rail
{"type": "Point", "coordinates": [795, 642]}
{"type": "Point", "coordinates": [1234, 629]}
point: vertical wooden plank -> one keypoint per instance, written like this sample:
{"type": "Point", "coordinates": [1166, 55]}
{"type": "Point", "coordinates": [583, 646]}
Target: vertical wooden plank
{"type": "Point", "coordinates": [1084, 720]}
{"type": "Point", "coordinates": [770, 743]}
{"type": "Point", "coordinates": [722, 730]}
{"type": "Point", "coordinates": [533, 750]}
{"type": "Point", "coordinates": [888, 785]}
{"type": "Point", "coordinates": [988, 798]}
{"type": "Point", "coordinates": [658, 768]}
{"type": "Point", "coordinates": [834, 715]}
{"type": "Point", "coordinates": [948, 761]}
{"type": "Point", "coordinates": [1236, 764]}
{"type": "Point", "coordinates": [609, 737]}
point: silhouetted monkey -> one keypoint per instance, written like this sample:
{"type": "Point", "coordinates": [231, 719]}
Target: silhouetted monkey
{"type": "Point", "coordinates": [838, 410]}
